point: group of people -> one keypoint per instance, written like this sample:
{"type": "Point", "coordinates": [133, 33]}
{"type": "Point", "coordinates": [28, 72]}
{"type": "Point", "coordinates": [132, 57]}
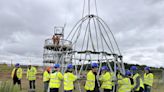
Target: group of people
{"type": "Point", "coordinates": [131, 81]}
{"type": "Point", "coordinates": [30, 76]}
{"type": "Point", "coordinates": [53, 79]}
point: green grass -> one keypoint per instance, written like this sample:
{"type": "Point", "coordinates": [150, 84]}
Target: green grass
{"type": "Point", "coordinates": [8, 87]}
{"type": "Point", "coordinates": [5, 68]}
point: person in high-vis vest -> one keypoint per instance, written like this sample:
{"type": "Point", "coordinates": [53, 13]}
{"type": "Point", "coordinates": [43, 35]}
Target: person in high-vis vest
{"type": "Point", "coordinates": [125, 84]}
{"type": "Point", "coordinates": [16, 75]}
{"type": "Point", "coordinates": [148, 79]}
{"type": "Point", "coordinates": [46, 78]}
{"type": "Point", "coordinates": [31, 76]}
{"type": "Point", "coordinates": [106, 79]}
{"type": "Point", "coordinates": [69, 79]}
{"type": "Point", "coordinates": [119, 76]}
{"type": "Point", "coordinates": [138, 82]}
{"type": "Point", "coordinates": [55, 79]}
{"type": "Point", "coordinates": [91, 84]}
{"type": "Point", "coordinates": [118, 73]}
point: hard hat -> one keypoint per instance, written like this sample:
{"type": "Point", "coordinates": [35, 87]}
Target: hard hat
{"type": "Point", "coordinates": [104, 68]}
{"type": "Point", "coordinates": [17, 65]}
{"type": "Point", "coordinates": [48, 69]}
{"type": "Point", "coordinates": [57, 65]}
{"type": "Point", "coordinates": [70, 66]}
{"type": "Point", "coordinates": [94, 65]}
{"type": "Point", "coordinates": [133, 68]}
{"type": "Point", "coordinates": [147, 68]}
{"type": "Point", "coordinates": [117, 68]}
{"type": "Point", "coordinates": [127, 73]}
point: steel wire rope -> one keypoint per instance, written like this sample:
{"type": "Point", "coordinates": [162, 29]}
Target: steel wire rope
{"type": "Point", "coordinates": [88, 7]}
{"type": "Point", "coordinates": [87, 45]}
{"type": "Point", "coordinates": [83, 9]}
{"type": "Point", "coordinates": [104, 37]}
{"type": "Point", "coordinates": [79, 87]}
{"type": "Point", "coordinates": [75, 33]}
{"type": "Point", "coordinates": [96, 36]}
{"type": "Point", "coordinates": [91, 41]}
{"type": "Point", "coordinates": [96, 7]}
{"type": "Point", "coordinates": [83, 47]}
{"type": "Point", "coordinates": [107, 35]}
{"type": "Point", "coordinates": [91, 37]}
{"type": "Point", "coordinates": [123, 71]}
{"type": "Point", "coordinates": [78, 27]}
{"type": "Point", "coordinates": [84, 37]}
{"type": "Point", "coordinates": [82, 15]}
{"type": "Point", "coordinates": [75, 27]}
{"type": "Point", "coordinates": [102, 49]}
{"type": "Point", "coordinates": [74, 55]}
{"type": "Point", "coordinates": [111, 34]}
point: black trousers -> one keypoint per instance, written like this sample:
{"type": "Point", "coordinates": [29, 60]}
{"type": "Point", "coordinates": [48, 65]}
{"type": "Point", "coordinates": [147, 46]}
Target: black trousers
{"type": "Point", "coordinates": [16, 81]}
{"type": "Point", "coordinates": [141, 90]}
{"type": "Point", "coordinates": [89, 91]}
{"type": "Point", "coordinates": [107, 90]}
{"type": "Point", "coordinates": [54, 90]}
{"type": "Point", "coordinates": [147, 88]}
{"type": "Point", "coordinates": [116, 87]}
{"type": "Point", "coordinates": [68, 91]}
{"type": "Point", "coordinates": [93, 91]}
{"type": "Point", "coordinates": [32, 84]}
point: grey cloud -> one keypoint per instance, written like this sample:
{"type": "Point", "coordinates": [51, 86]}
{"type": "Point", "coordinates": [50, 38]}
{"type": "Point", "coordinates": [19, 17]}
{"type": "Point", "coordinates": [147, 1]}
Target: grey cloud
{"type": "Point", "coordinates": [160, 49]}
{"type": "Point", "coordinates": [137, 57]}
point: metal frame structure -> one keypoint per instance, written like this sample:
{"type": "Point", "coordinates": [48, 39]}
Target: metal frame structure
{"type": "Point", "coordinates": [57, 53]}
{"type": "Point", "coordinates": [93, 41]}
{"type": "Point", "coordinates": [90, 40]}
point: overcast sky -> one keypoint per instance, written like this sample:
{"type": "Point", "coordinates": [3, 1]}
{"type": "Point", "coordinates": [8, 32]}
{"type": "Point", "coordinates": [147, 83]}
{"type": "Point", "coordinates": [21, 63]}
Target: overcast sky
{"type": "Point", "coordinates": [138, 26]}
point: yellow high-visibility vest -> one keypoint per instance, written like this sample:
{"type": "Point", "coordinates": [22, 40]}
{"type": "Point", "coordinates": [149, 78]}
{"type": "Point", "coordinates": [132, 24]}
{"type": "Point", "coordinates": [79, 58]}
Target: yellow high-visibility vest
{"type": "Point", "coordinates": [90, 82]}
{"type": "Point", "coordinates": [31, 73]}
{"type": "Point", "coordinates": [119, 76]}
{"type": "Point", "coordinates": [106, 80]}
{"type": "Point", "coordinates": [124, 85]}
{"type": "Point", "coordinates": [46, 76]}
{"type": "Point", "coordinates": [69, 78]}
{"type": "Point", "coordinates": [148, 79]}
{"type": "Point", "coordinates": [141, 82]}
{"type": "Point", "coordinates": [55, 80]}
{"type": "Point", "coordinates": [19, 73]}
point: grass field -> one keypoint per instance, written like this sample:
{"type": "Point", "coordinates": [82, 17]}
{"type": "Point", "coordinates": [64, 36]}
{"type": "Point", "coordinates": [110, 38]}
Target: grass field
{"type": "Point", "coordinates": [5, 72]}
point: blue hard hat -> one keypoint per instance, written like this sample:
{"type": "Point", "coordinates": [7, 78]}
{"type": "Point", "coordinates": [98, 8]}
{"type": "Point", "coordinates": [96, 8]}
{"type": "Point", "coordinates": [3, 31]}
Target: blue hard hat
{"type": "Point", "coordinates": [17, 65]}
{"type": "Point", "coordinates": [94, 65]}
{"type": "Point", "coordinates": [133, 68]}
{"type": "Point", "coordinates": [117, 68]}
{"type": "Point", "coordinates": [104, 68]}
{"type": "Point", "coordinates": [147, 68]}
{"type": "Point", "coordinates": [69, 66]}
{"type": "Point", "coordinates": [57, 65]}
{"type": "Point", "coordinates": [127, 73]}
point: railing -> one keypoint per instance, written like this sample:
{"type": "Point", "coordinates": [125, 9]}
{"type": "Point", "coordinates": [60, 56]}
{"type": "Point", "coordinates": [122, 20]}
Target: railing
{"type": "Point", "coordinates": [51, 57]}
{"type": "Point", "coordinates": [62, 42]}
